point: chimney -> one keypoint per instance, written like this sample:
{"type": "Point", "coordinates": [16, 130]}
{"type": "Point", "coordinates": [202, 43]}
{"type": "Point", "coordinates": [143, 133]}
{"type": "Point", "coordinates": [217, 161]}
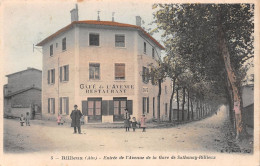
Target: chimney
{"type": "Point", "coordinates": [113, 19]}
{"type": "Point", "coordinates": [74, 14]}
{"type": "Point", "coordinates": [138, 20]}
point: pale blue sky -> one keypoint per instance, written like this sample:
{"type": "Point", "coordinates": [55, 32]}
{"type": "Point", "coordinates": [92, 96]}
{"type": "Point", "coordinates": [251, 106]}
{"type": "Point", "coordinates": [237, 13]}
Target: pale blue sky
{"type": "Point", "coordinates": [27, 23]}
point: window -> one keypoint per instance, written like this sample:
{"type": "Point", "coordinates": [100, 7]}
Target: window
{"type": "Point", "coordinates": [145, 47]}
{"type": "Point", "coordinates": [119, 71]}
{"type": "Point", "coordinates": [153, 106]}
{"type": "Point", "coordinates": [51, 105]}
{"type": "Point", "coordinates": [51, 76]}
{"type": "Point", "coordinates": [56, 45]}
{"type": "Point", "coordinates": [64, 44]}
{"type": "Point", "coordinates": [119, 40]}
{"type": "Point", "coordinates": [145, 75]}
{"type": "Point", "coordinates": [153, 52]}
{"type": "Point", "coordinates": [94, 71]}
{"type": "Point", "coordinates": [145, 105]}
{"type": "Point", "coordinates": [64, 105]}
{"type": "Point", "coordinates": [166, 109]}
{"type": "Point", "coordinates": [94, 39]}
{"type": "Point", "coordinates": [51, 50]}
{"type": "Point", "coordinates": [64, 73]}
{"type": "Point", "coordinates": [119, 106]}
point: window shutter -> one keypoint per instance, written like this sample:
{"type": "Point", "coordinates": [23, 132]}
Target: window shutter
{"type": "Point", "coordinates": [48, 105]}
{"type": "Point", "coordinates": [53, 75]}
{"type": "Point", "coordinates": [143, 74]}
{"type": "Point", "coordinates": [60, 105]}
{"type": "Point", "coordinates": [84, 107]}
{"type": "Point", "coordinates": [111, 107]}
{"type": "Point", "coordinates": [147, 104]}
{"type": "Point", "coordinates": [53, 106]}
{"type": "Point", "coordinates": [130, 106]}
{"type": "Point", "coordinates": [60, 74]}
{"type": "Point", "coordinates": [143, 105]}
{"type": "Point", "coordinates": [105, 108]}
{"type": "Point", "coordinates": [48, 77]}
{"type": "Point", "coordinates": [67, 106]}
{"type": "Point", "coordinates": [67, 73]}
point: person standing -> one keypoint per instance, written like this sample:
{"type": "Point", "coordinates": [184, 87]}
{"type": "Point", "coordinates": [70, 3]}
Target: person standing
{"type": "Point", "coordinates": [143, 122]}
{"type": "Point", "coordinates": [75, 117]}
{"type": "Point", "coordinates": [134, 123]}
{"type": "Point", "coordinates": [59, 119]}
{"type": "Point", "coordinates": [27, 119]}
{"type": "Point", "coordinates": [22, 120]}
{"type": "Point", "coordinates": [126, 121]}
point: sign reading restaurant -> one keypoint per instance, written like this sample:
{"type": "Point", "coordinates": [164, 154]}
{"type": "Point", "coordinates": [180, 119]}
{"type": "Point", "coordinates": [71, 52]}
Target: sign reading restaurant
{"type": "Point", "coordinates": [101, 89]}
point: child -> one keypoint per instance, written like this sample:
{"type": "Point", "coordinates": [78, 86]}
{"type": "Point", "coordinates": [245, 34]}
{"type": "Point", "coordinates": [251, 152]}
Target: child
{"type": "Point", "coordinates": [27, 119]}
{"type": "Point", "coordinates": [59, 119]}
{"type": "Point", "coordinates": [22, 119]}
{"type": "Point", "coordinates": [143, 122]}
{"type": "Point", "coordinates": [134, 123]}
{"type": "Point", "coordinates": [126, 121]}
{"type": "Point", "coordinates": [82, 120]}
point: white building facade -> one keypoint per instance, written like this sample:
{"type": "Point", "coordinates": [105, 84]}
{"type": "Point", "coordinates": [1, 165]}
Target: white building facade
{"type": "Point", "coordinates": [101, 66]}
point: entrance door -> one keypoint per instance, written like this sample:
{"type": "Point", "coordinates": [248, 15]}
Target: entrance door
{"type": "Point", "coordinates": [94, 110]}
{"type": "Point", "coordinates": [119, 109]}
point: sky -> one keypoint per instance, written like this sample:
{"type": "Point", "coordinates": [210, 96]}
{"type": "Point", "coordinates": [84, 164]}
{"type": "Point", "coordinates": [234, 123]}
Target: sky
{"type": "Point", "coordinates": [26, 23]}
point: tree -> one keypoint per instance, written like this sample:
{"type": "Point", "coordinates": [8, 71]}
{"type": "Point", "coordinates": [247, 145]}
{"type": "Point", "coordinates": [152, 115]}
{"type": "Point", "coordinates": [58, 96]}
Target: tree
{"type": "Point", "coordinates": [215, 40]}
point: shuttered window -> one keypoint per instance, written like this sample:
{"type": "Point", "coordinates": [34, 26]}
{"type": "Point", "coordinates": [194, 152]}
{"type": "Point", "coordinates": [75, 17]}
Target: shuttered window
{"type": "Point", "coordinates": [145, 74]}
{"type": "Point", "coordinates": [64, 44]}
{"type": "Point", "coordinates": [51, 105]}
{"type": "Point", "coordinates": [51, 76]}
{"type": "Point", "coordinates": [119, 40]}
{"type": "Point", "coordinates": [64, 73]}
{"type": "Point", "coordinates": [119, 71]}
{"type": "Point", "coordinates": [145, 105]}
{"type": "Point", "coordinates": [64, 105]}
{"type": "Point", "coordinates": [94, 71]}
{"type": "Point", "coordinates": [51, 50]}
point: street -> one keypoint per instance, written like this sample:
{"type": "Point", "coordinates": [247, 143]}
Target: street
{"type": "Point", "coordinates": [204, 135]}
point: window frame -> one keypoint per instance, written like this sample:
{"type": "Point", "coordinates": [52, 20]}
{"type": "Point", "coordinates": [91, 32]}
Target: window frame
{"type": "Point", "coordinates": [64, 73]}
{"type": "Point", "coordinates": [51, 105]}
{"type": "Point", "coordinates": [118, 35]}
{"type": "Point", "coordinates": [93, 33]}
{"type": "Point", "coordinates": [95, 67]}
{"type": "Point", "coordinates": [64, 103]}
{"type": "Point", "coordinates": [51, 76]}
{"type": "Point", "coordinates": [51, 50]}
{"type": "Point", "coordinates": [145, 48]}
{"type": "Point", "coordinates": [115, 72]}
{"type": "Point", "coordinates": [145, 73]}
{"type": "Point", "coordinates": [64, 44]}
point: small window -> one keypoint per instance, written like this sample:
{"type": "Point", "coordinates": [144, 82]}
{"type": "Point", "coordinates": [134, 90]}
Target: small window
{"type": "Point", "coordinates": [94, 71]}
{"type": "Point", "coordinates": [64, 44]}
{"type": "Point", "coordinates": [153, 52]}
{"type": "Point", "coordinates": [64, 105]}
{"type": "Point", "coordinates": [64, 73]}
{"type": "Point", "coordinates": [119, 40]}
{"type": "Point", "coordinates": [145, 105]}
{"type": "Point", "coordinates": [145, 47]}
{"type": "Point", "coordinates": [51, 76]}
{"type": "Point", "coordinates": [51, 50]}
{"type": "Point", "coordinates": [119, 71]}
{"type": "Point", "coordinates": [51, 105]}
{"type": "Point", "coordinates": [145, 75]}
{"type": "Point", "coordinates": [94, 39]}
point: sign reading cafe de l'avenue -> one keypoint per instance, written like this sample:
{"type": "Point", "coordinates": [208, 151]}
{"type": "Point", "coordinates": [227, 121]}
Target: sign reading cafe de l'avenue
{"type": "Point", "coordinates": [106, 89]}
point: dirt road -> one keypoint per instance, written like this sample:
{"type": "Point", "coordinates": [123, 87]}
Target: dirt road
{"type": "Point", "coordinates": [203, 135]}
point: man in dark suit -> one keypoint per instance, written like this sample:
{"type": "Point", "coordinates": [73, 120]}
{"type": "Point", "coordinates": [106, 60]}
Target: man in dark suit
{"type": "Point", "coordinates": [75, 116]}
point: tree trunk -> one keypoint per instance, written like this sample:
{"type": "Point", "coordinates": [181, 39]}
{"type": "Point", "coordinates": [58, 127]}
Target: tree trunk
{"type": "Point", "coordinates": [183, 103]}
{"type": "Point", "coordinates": [159, 100]}
{"type": "Point", "coordinates": [188, 116]}
{"type": "Point", "coordinates": [178, 105]}
{"type": "Point", "coordinates": [191, 104]}
{"type": "Point", "coordinates": [170, 113]}
{"type": "Point", "coordinates": [240, 128]}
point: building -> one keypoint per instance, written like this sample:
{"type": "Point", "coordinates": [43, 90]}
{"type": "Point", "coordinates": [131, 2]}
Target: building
{"type": "Point", "coordinates": [248, 103]}
{"type": "Point", "coordinates": [102, 67]}
{"type": "Point", "coordinates": [23, 92]}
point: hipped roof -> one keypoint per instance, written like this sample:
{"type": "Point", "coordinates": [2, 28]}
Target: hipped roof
{"type": "Point", "coordinates": [101, 23]}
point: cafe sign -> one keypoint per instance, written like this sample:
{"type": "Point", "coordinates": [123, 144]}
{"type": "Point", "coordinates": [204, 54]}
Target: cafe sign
{"type": "Point", "coordinates": [106, 89]}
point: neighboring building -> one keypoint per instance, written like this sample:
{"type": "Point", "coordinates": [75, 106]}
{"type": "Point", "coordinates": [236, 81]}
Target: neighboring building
{"type": "Point", "coordinates": [23, 92]}
{"type": "Point", "coordinates": [248, 103]}
{"type": "Point", "coordinates": [102, 67]}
